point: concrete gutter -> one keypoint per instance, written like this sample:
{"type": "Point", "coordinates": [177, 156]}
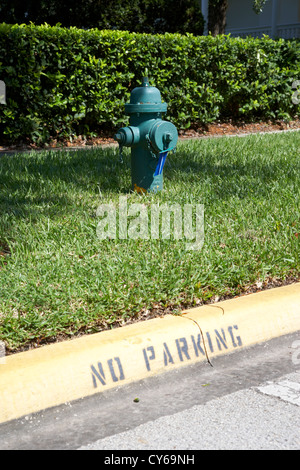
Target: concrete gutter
{"type": "Point", "coordinates": [63, 372]}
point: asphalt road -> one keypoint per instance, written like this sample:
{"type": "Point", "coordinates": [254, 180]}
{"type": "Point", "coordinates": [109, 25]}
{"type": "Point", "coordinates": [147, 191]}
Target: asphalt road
{"type": "Point", "coordinates": [249, 399]}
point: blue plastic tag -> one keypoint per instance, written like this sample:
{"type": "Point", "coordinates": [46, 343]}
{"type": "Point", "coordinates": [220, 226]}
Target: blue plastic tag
{"type": "Point", "coordinates": [161, 162]}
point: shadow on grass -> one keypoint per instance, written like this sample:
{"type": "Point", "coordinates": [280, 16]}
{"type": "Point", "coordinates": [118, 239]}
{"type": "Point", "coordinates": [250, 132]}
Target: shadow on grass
{"type": "Point", "coordinates": [52, 180]}
{"type": "Point", "coordinates": [243, 169]}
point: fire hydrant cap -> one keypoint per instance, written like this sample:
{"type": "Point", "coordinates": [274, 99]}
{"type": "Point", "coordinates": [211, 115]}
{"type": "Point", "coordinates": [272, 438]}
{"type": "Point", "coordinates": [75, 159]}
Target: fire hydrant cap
{"type": "Point", "coordinates": [163, 136]}
{"type": "Point", "coordinates": [145, 99]}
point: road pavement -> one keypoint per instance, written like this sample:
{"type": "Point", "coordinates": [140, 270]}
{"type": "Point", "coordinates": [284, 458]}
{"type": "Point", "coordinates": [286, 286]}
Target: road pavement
{"type": "Point", "coordinates": [248, 419]}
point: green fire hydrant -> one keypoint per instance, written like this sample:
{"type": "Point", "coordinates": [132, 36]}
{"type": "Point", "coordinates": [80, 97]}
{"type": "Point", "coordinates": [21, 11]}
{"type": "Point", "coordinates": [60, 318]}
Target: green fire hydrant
{"type": "Point", "coordinates": [149, 137]}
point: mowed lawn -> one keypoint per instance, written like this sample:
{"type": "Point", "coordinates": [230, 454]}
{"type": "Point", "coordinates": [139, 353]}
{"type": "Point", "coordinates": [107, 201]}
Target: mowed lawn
{"type": "Point", "coordinates": [58, 278]}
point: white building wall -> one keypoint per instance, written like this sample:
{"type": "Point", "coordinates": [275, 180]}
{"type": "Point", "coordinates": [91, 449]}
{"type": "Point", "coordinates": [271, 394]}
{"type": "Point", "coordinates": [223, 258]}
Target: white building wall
{"type": "Point", "coordinates": [278, 18]}
{"type": "Point", "coordinates": [240, 15]}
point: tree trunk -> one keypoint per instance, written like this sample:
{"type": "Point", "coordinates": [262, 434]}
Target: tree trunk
{"type": "Point", "coordinates": [217, 16]}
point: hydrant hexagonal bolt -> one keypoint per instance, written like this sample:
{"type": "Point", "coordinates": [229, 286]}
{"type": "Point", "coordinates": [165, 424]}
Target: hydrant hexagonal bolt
{"type": "Point", "coordinates": [148, 135]}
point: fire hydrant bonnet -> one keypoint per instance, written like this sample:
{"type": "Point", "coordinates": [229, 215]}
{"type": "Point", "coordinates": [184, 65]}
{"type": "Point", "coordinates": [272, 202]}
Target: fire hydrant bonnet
{"type": "Point", "coordinates": [145, 99]}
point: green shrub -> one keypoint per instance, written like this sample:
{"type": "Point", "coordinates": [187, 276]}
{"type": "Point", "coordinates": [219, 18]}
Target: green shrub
{"type": "Point", "coordinates": [138, 16]}
{"type": "Point", "coordinates": [61, 82]}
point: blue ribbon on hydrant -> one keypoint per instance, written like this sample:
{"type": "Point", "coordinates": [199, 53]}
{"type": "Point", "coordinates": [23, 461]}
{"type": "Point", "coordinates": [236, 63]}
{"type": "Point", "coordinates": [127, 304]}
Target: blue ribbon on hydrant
{"type": "Point", "coordinates": [161, 162]}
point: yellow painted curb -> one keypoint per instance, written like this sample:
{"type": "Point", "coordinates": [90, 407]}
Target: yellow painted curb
{"type": "Point", "coordinates": [52, 375]}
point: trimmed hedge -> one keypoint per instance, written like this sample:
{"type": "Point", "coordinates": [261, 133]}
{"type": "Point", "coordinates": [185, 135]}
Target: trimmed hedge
{"type": "Point", "coordinates": [61, 82]}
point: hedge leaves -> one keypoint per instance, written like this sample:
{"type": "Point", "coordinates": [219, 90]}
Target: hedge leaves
{"type": "Point", "coordinates": [61, 82]}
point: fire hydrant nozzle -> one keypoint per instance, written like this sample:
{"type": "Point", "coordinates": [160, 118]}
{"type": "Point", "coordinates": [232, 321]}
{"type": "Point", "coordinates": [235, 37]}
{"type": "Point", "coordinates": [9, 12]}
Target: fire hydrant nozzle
{"type": "Point", "coordinates": [149, 137]}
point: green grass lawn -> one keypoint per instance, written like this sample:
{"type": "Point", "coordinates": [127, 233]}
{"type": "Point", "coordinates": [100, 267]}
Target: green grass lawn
{"type": "Point", "coordinates": [57, 278]}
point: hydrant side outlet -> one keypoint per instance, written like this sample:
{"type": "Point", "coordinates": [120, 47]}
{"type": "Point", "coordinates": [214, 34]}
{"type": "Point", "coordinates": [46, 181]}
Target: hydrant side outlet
{"type": "Point", "coordinates": [127, 136]}
{"type": "Point", "coordinates": [149, 137]}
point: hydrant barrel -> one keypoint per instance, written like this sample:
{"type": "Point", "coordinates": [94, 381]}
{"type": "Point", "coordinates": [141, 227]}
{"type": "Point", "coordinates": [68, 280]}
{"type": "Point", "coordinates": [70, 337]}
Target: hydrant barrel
{"type": "Point", "coordinates": [148, 135]}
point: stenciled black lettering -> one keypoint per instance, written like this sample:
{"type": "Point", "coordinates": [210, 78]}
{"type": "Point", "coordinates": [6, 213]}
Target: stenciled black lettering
{"type": "Point", "coordinates": [150, 357]}
{"type": "Point", "coordinates": [233, 338]}
{"type": "Point", "coordinates": [112, 370]}
{"type": "Point", "coordinates": [221, 340]}
{"type": "Point", "coordinates": [167, 355]}
{"type": "Point", "coordinates": [209, 342]}
{"type": "Point", "coordinates": [197, 346]}
{"type": "Point", "coordinates": [183, 348]}
{"type": "Point", "coordinates": [98, 374]}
